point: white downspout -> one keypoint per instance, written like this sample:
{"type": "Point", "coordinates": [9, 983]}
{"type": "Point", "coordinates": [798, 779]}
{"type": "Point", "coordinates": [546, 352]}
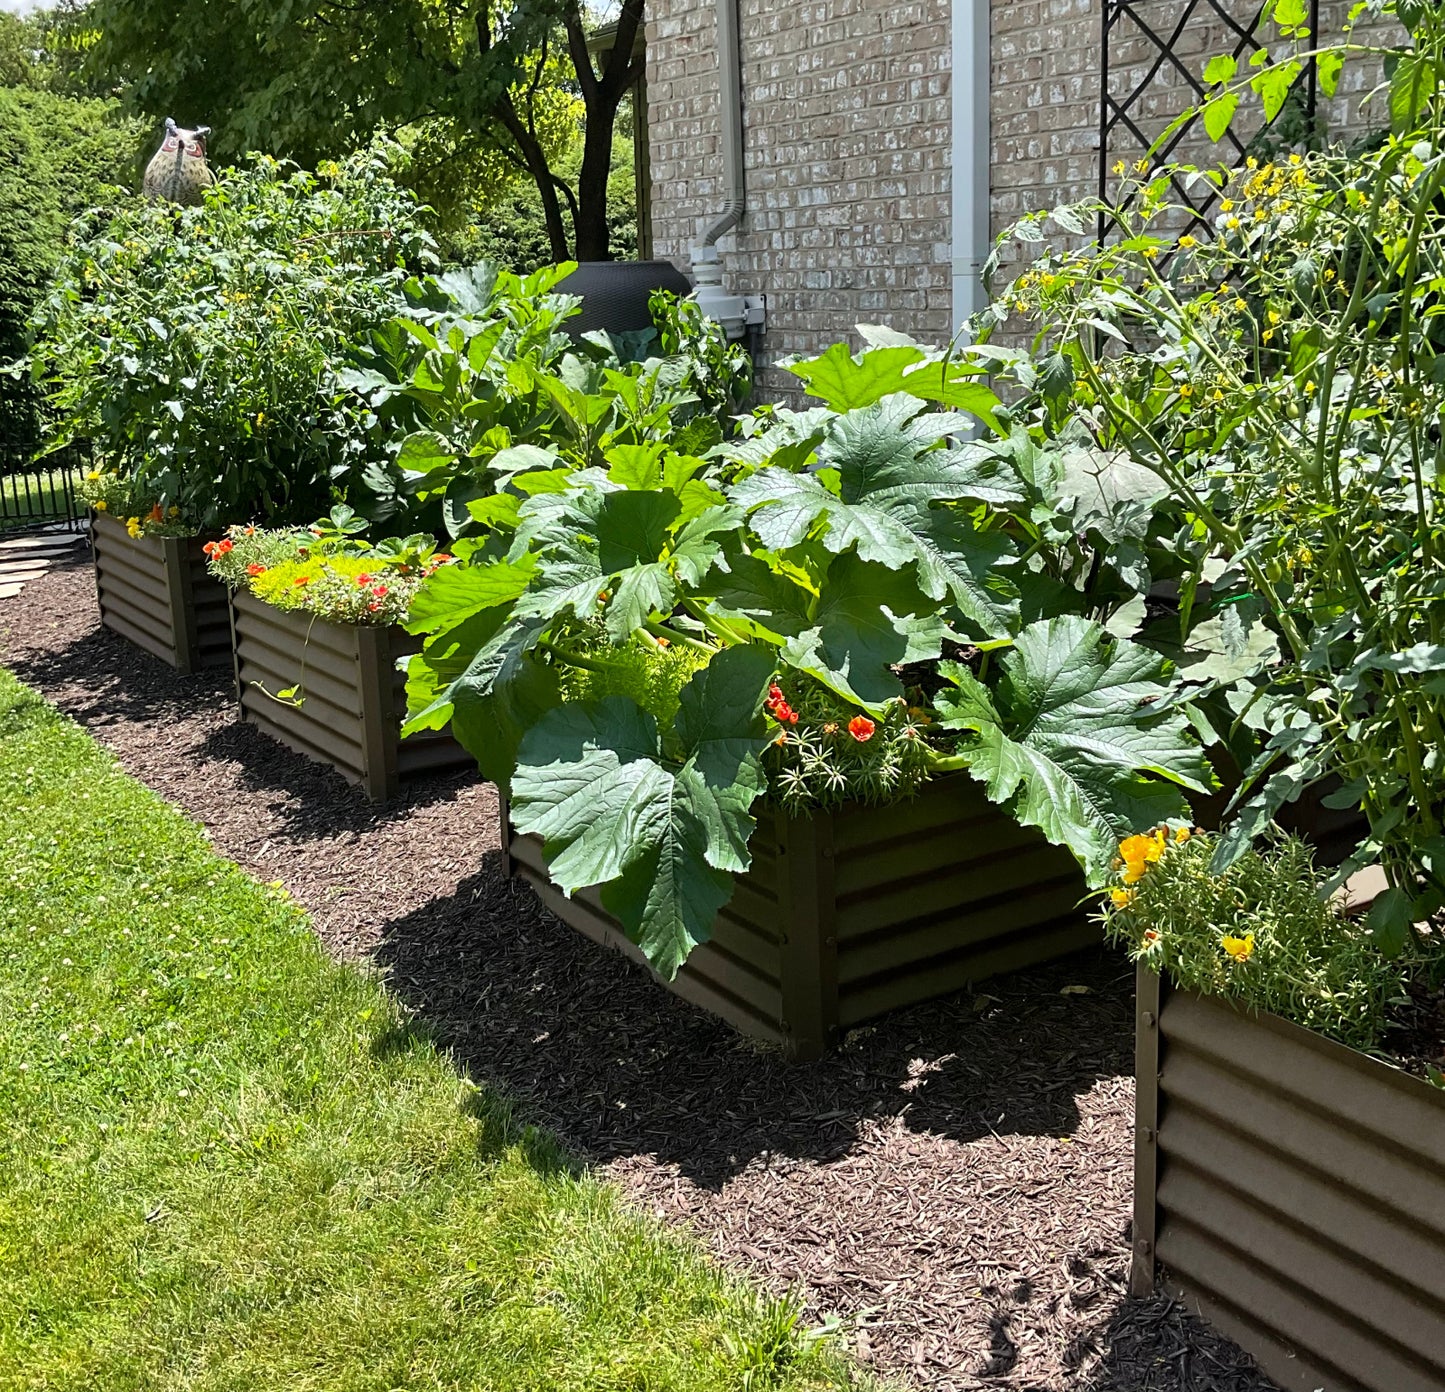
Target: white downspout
{"type": "Point", "coordinates": [729, 310]}
{"type": "Point", "coordinates": [730, 108]}
{"type": "Point", "coordinates": [972, 234]}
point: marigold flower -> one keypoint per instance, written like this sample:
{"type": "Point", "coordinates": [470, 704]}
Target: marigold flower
{"type": "Point", "coordinates": [1122, 897]}
{"type": "Point", "coordinates": [1240, 949]}
{"type": "Point", "coordinates": [861, 728]}
{"type": "Point", "coordinates": [255, 570]}
{"type": "Point", "coordinates": [101, 505]}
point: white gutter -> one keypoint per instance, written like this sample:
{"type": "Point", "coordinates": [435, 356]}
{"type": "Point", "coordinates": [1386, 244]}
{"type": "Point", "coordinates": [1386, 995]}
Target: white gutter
{"type": "Point", "coordinates": [972, 234]}
{"type": "Point", "coordinates": [730, 99]}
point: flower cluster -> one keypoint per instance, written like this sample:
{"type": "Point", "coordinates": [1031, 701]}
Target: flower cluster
{"type": "Point", "coordinates": [1299, 955]}
{"type": "Point", "coordinates": [824, 753]}
{"type": "Point", "coordinates": [112, 495]}
{"type": "Point", "coordinates": [335, 577]}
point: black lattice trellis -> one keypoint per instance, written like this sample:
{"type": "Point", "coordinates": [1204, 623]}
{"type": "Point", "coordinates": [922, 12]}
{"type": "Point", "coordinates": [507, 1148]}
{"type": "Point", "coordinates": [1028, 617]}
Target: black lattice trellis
{"type": "Point", "coordinates": [1122, 132]}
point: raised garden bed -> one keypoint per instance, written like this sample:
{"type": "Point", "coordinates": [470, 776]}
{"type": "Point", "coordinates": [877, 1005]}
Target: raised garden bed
{"type": "Point", "coordinates": [1292, 1189]}
{"type": "Point", "coordinates": [155, 592]}
{"type": "Point", "coordinates": [845, 915]}
{"type": "Point", "coordinates": [352, 696]}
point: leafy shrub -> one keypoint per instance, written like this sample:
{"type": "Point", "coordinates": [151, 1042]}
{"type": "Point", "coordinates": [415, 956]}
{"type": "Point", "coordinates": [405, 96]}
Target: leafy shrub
{"type": "Point", "coordinates": [479, 380]}
{"type": "Point", "coordinates": [1264, 932]}
{"type": "Point", "coordinates": [198, 346]}
{"type": "Point", "coordinates": [1279, 380]}
{"type": "Point", "coordinates": [58, 156]}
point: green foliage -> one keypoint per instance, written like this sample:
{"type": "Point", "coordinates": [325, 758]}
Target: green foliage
{"type": "Point", "coordinates": [1265, 932]}
{"type": "Point", "coordinates": [1282, 382]}
{"type": "Point", "coordinates": [476, 91]}
{"type": "Point", "coordinates": [198, 346]}
{"type": "Point", "coordinates": [1071, 740]}
{"type": "Point", "coordinates": [479, 386]}
{"type": "Point", "coordinates": [58, 156]}
{"type": "Point", "coordinates": [229, 1162]}
{"type": "Point", "coordinates": [806, 558]}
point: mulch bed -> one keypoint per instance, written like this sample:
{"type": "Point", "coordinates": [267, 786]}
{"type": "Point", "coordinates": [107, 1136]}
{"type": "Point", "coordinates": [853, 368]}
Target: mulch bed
{"type": "Point", "coordinates": [955, 1181]}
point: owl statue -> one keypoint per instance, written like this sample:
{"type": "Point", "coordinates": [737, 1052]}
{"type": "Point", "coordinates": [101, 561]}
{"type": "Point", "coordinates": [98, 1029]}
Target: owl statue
{"type": "Point", "coordinates": [178, 172]}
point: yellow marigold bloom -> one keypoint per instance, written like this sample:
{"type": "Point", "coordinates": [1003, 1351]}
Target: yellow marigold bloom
{"type": "Point", "coordinates": [1182, 834]}
{"type": "Point", "coordinates": [1122, 897]}
{"type": "Point", "coordinates": [93, 476]}
{"type": "Point", "coordinates": [100, 506]}
{"type": "Point", "coordinates": [1240, 949]}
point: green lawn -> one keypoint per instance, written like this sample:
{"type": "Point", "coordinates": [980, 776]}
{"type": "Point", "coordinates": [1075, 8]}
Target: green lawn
{"type": "Point", "coordinates": [226, 1162]}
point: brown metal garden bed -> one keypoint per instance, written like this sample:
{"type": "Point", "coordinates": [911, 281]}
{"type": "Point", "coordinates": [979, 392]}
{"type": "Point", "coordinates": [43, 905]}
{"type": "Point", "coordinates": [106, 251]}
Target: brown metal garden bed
{"type": "Point", "coordinates": [1293, 1190]}
{"type": "Point", "coordinates": [846, 915]}
{"type": "Point", "coordinates": [352, 697]}
{"type": "Point", "coordinates": [156, 593]}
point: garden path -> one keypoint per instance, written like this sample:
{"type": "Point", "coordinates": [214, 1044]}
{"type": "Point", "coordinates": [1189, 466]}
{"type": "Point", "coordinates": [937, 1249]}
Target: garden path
{"type": "Point", "coordinates": [954, 1181]}
{"type": "Point", "coordinates": [25, 558]}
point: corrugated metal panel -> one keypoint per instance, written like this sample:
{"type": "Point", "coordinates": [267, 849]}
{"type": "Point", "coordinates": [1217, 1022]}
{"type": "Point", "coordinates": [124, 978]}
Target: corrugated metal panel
{"type": "Point", "coordinates": [155, 592]}
{"type": "Point", "coordinates": [945, 890]}
{"type": "Point", "coordinates": [351, 715]}
{"type": "Point", "coordinates": [845, 916]}
{"type": "Point", "coordinates": [1300, 1197]}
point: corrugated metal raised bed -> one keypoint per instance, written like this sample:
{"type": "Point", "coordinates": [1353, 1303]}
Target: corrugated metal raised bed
{"type": "Point", "coordinates": [353, 696]}
{"type": "Point", "coordinates": [845, 915]}
{"type": "Point", "coordinates": [156, 592]}
{"type": "Point", "coordinates": [1293, 1191]}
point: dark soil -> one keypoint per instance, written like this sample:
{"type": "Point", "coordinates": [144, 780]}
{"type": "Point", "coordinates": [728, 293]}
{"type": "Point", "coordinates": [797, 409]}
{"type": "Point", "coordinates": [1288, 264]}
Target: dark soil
{"type": "Point", "coordinates": [955, 1181]}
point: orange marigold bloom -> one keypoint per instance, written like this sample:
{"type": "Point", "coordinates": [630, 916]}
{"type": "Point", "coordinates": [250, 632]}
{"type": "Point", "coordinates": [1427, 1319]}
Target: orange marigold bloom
{"type": "Point", "coordinates": [861, 728]}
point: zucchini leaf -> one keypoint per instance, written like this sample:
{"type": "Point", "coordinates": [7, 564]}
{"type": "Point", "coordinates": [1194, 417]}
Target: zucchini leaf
{"type": "Point", "coordinates": [1069, 741]}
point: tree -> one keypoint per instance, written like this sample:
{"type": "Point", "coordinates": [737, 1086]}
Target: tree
{"type": "Point", "coordinates": [57, 153]}
{"type": "Point", "coordinates": [314, 78]}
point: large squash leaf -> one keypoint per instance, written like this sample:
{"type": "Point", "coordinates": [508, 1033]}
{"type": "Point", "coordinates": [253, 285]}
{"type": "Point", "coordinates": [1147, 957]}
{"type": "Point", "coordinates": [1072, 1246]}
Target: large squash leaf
{"type": "Point", "coordinates": [866, 620]}
{"type": "Point", "coordinates": [881, 472]}
{"type": "Point", "coordinates": [1069, 741]}
{"type": "Point", "coordinates": [663, 826]}
{"type": "Point", "coordinates": [846, 381]}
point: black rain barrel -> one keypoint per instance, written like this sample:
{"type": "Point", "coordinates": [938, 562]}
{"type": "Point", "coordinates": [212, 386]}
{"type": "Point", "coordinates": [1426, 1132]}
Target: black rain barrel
{"type": "Point", "coordinates": [615, 293]}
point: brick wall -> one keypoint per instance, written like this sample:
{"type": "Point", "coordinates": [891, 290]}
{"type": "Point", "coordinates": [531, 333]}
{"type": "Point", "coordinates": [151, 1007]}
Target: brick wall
{"type": "Point", "coordinates": [848, 150]}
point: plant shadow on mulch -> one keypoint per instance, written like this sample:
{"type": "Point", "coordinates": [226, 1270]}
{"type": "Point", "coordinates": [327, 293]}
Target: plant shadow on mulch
{"type": "Point", "coordinates": [618, 1066]}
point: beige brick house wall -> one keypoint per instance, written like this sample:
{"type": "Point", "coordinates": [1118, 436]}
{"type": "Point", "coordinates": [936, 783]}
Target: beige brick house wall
{"type": "Point", "coordinates": [848, 145]}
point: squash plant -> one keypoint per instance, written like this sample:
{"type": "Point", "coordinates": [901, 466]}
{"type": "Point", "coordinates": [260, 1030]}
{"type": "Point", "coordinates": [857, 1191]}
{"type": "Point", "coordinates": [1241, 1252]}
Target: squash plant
{"type": "Point", "coordinates": [640, 642]}
{"type": "Point", "coordinates": [479, 374]}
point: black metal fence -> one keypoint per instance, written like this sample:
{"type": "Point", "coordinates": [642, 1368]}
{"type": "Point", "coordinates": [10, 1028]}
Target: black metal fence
{"type": "Point", "coordinates": [41, 493]}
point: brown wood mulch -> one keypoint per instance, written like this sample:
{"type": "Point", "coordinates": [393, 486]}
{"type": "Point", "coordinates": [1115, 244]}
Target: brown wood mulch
{"type": "Point", "coordinates": [954, 1182]}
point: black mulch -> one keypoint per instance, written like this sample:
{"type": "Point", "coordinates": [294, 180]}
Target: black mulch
{"type": "Point", "coordinates": [955, 1182]}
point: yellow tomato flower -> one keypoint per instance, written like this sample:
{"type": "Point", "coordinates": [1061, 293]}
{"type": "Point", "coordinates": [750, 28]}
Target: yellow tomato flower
{"type": "Point", "coordinates": [1186, 390]}
{"type": "Point", "coordinates": [1187, 241]}
{"type": "Point", "coordinates": [1240, 949]}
